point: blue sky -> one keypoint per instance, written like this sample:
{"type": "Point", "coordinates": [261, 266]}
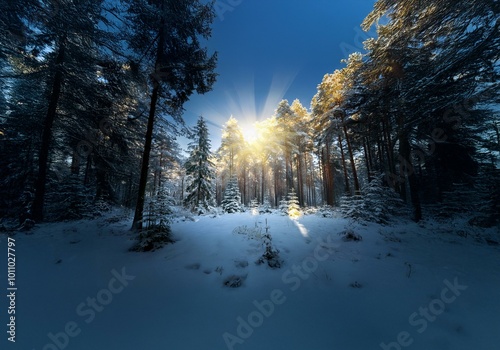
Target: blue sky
{"type": "Point", "coordinates": [271, 50]}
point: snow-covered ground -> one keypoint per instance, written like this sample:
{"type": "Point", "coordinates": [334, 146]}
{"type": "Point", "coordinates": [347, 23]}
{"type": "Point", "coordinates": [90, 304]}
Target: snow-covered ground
{"type": "Point", "coordinates": [403, 286]}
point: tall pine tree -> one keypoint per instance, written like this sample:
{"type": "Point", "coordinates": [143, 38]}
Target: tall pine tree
{"type": "Point", "coordinates": [200, 167]}
{"type": "Point", "coordinates": [166, 36]}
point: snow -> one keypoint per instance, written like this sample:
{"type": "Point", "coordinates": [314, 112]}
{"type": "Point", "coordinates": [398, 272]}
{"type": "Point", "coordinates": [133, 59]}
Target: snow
{"type": "Point", "coordinates": [346, 295]}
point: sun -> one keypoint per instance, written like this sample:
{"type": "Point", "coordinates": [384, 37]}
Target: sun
{"type": "Point", "coordinates": [249, 133]}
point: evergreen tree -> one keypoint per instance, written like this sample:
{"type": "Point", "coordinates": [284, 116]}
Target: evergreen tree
{"type": "Point", "coordinates": [283, 206]}
{"type": "Point", "coordinates": [286, 121]}
{"type": "Point", "coordinates": [254, 206]}
{"type": "Point", "coordinates": [156, 232]}
{"type": "Point", "coordinates": [167, 39]}
{"type": "Point", "coordinates": [293, 205]}
{"type": "Point", "coordinates": [265, 208]}
{"type": "Point", "coordinates": [200, 167]}
{"type": "Point", "coordinates": [290, 205]}
{"type": "Point", "coordinates": [379, 203]}
{"type": "Point", "coordinates": [232, 197]}
{"type": "Point", "coordinates": [231, 145]}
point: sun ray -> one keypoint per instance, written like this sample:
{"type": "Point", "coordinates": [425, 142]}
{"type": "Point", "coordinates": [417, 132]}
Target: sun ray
{"type": "Point", "coordinates": [249, 132]}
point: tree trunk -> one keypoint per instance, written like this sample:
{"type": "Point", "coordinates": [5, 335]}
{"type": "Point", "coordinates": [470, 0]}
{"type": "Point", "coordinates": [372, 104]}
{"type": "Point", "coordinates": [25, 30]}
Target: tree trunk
{"type": "Point", "coordinates": [263, 183]}
{"type": "Point", "coordinates": [88, 169]}
{"type": "Point", "coordinates": [75, 163]}
{"type": "Point", "coordinates": [407, 170]}
{"type": "Point", "coordinates": [388, 146]}
{"type": "Point", "coordinates": [380, 154]}
{"type": "Point", "coordinates": [300, 179]}
{"type": "Point", "coordinates": [288, 176]}
{"type": "Point", "coordinates": [244, 192]}
{"type": "Point", "coordinates": [130, 189]}
{"type": "Point", "coordinates": [328, 175]}
{"type": "Point", "coordinates": [346, 177]}
{"type": "Point", "coordinates": [43, 157]}
{"type": "Point", "coordinates": [367, 159]}
{"type": "Point", "coordinates": [277, 191]}
{"type": "Point", "coordinates": [200, 177]}
{"type": "Point", "coordinates": [314, 200]}
{"type": "Point", "coordinates": [139, 208]}
{"type": "Point", "coordinates": [353, 165]}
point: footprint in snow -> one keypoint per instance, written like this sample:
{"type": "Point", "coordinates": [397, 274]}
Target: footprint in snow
{"type": "Point", "coordinates": [234, 281]}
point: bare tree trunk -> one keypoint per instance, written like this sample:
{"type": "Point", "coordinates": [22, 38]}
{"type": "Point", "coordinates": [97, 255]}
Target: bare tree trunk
{"type": "Point", "coordinates": [244, 192]}
{"type": "Point", "coordinates": [263, 182]}
{"type": "Point", "coordinates": [300, 179]}
{"type": "Point", "coordinates": [288, 176]}
{"type": "Point", "coordinates": [329, 190]}
{"type": "Point", "coordinates": [277, 191]}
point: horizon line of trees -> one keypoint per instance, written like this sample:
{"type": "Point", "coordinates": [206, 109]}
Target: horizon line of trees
{"type": "Point", "coordinates": [91, 107]}
{"type": "Point", "coordinates": [419, 108]}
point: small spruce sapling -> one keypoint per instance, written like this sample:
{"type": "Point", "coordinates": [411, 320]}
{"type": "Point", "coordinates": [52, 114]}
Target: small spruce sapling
{"type": "Point", "coordinates": [271, 253]}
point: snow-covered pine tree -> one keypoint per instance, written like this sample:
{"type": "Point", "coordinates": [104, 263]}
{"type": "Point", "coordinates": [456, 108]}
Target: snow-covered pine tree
{"type": "Point", "coordinates": [254, 206]}
{"type": "Point", "coordinates": [167, 38]}
{"type": "Point", "coordinates": [283, 206]}
{"type": "Point", "coordinates": [265, 207]}
{"type": "Point", "coordinates": [293, 204]}
{"type": "Point", "coordinates": [232, 197]}
{"type": "Point", "coordinates": [201, 169]}
{"type": "Point", "coordinates": [377, 204]}
{"type": "Point", "coordinates": [157, 218]}
{"type": "Point", "coordinates": [271, 253]}
{"type": "Point", "coordinates": [290, 205]}
{"type": "Point", "coordinates": [161, 209]}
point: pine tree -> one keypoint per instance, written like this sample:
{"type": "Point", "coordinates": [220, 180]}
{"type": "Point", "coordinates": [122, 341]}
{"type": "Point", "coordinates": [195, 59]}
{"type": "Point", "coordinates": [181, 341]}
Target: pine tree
{"type": "Point", "coordinates": [254, 206]}
{"type": "Point", "coordinates": [231, 145]}
{"type": "Point", "coordinates": [286, 119]}
{"type": "Point", "coordinates": [156, 231]}
{"type": "Point", "coordinates": [290, 205]}
{"type": "Point", "coordinates": [378, 203]}
{"type": "Point", "coordinates": [167, 39]}
{"type": "Point", "coordinates": [265, 208]}
{"type": "Point", "coordinates": [160, 210]}
{"type": "Point", "coordinates": [283, 206]}
{"type": "Point", "coordinates": [232, 197]}
{"type": "Point", "coordinates": [200, 167]}
{"type": "Point", "coordinates": [293, 205]}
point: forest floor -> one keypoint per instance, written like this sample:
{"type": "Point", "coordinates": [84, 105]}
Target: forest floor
{"type": "Point", "coordinates": [404, 285]}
